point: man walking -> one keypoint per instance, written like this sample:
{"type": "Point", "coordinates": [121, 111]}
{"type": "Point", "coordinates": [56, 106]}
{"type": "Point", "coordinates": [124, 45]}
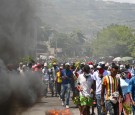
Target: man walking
{"type": "Point", "coordinates": [97, 76]}
{"type": "Point", "coordinates": [67, 76]}
{"type": "Point", "coordinates": [111, 85]}
{"type": "Point", "coordinates": [86, 87]}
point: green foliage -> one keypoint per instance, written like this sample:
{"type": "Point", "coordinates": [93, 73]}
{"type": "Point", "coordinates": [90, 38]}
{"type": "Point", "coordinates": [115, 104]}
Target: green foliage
{"type": "Point", "coordinates": [127, 108]}
{"type": "Point", "coordinates": [116, 40]}
{"type": "Point", "coordinates": [26, 59]}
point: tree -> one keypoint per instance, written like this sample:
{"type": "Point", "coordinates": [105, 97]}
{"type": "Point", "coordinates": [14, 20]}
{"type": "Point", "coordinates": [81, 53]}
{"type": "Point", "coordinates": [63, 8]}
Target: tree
{"type": "Point", "coordinates": [115, 40]}
{"type": "Point", "coordinates": [71, 44]}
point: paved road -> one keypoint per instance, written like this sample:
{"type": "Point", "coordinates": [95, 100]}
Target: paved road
{"type": "Point", "coordinates": [49, 103]}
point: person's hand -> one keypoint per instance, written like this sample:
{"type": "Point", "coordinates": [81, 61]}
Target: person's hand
{"type": "Point", "coordinates": [79, 88]}
{"type": "Point", "coordinates": [92, 91]}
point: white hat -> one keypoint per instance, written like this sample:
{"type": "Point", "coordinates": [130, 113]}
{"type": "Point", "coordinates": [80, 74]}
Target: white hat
{"type": "Point", "coordinates": [45, 64]}
{"type": "Point", "coordinates": [102, 62]}
{"type": "Point", "coordinates": [98, 66]}
{"type": "Point", "coordinates": [121, 66]}
{"type": "Point", "coordinates": [67, 64]}
{"type": "Point", "coordinates": [91, 66]}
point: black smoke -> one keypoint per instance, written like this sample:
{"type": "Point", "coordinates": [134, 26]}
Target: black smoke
{"type": "Point", "coordinates": [17, 39]}
{"type": "Point", "coordinates": [15, 89]}
{"type": "Point", "coordinates": [17, 29]}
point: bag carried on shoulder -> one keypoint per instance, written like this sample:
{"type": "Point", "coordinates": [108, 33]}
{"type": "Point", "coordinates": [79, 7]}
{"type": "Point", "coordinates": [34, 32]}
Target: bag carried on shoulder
{"type": "Point", "coordinates": [114, 97]}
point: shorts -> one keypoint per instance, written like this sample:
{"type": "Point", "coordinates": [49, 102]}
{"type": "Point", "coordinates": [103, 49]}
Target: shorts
{"type": "Point", "coordinates": [86, 101]}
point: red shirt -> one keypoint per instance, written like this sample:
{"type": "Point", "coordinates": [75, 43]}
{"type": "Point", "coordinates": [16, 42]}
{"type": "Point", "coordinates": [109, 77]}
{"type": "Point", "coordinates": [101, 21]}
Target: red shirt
{"type": "Point", "coordinates": [129, 75]}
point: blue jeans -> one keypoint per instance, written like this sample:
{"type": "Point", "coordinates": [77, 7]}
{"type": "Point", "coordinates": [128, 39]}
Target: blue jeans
{"type": "Point", "coordinates": [98, 98]}
{"type": "Point", "coordinates": [46, 83]}
{"type": "Point", "coordinates": [51, 86]}
{"type": "Point", "coordinates": [65, 93]}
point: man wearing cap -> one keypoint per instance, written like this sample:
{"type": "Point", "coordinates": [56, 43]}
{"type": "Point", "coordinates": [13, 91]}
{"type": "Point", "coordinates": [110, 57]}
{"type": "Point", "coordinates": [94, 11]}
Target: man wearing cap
{"type": "Point", "coordinates": [67, 76]}
{"type": "Point", "coordinates": [97, 76]}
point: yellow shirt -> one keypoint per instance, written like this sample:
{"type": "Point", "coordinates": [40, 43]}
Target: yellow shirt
{"type": "Point", "coordinates": [59, 79]}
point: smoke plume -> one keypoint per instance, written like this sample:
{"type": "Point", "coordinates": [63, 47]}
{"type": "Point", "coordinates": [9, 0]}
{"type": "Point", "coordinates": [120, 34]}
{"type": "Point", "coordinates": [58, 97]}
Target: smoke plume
{"type": "Point", "coordinates": [16, 89]}
{"type": "Point", "coordinates": [17, 27]}
{"type": "Point", "coordinates": [17, 39]}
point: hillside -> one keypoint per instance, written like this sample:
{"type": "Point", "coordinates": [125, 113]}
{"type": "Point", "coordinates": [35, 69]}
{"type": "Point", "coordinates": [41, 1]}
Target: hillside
{"type": "Point", "coordinates": [89, 16]}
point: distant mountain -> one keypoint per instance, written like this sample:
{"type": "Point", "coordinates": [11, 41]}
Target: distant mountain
{"type": "Point", "coordinates": [89, 16]}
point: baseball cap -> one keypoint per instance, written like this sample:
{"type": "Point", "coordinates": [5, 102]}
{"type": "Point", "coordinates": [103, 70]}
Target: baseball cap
{"type": "Point", "coordinates": [45, 64]}
{"type": "Point", "coordinates": [91, 66]}
{"type": "Point", "coordinates": [67, 64]}
{"type": "Point", "coordinates": [99, 66]}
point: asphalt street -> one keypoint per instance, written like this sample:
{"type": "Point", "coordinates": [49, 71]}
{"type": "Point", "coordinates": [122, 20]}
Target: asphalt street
{"type": "Point", "coordinates": [49, 103]}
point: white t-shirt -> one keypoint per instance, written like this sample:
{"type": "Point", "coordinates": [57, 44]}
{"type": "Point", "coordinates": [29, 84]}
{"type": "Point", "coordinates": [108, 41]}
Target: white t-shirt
{"type": "Point", "coordinates": [98, 82]}
{"type": "Point", "coordinates": [85, 85]}
{"type": "Point", "coordinates": [45, 74]}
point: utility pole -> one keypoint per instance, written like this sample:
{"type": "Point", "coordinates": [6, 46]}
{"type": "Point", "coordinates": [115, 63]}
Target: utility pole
{"type": "Point", "coordinates": [56, 46]}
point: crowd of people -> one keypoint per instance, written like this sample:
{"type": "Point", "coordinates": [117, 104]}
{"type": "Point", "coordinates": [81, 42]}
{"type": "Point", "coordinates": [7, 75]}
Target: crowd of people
{"type": "Point", "coordinates": [107, 86]}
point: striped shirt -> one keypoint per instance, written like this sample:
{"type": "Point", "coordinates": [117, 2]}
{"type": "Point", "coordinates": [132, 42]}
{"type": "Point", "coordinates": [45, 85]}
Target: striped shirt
{"type": "Point", "coordinates": [111, 85]}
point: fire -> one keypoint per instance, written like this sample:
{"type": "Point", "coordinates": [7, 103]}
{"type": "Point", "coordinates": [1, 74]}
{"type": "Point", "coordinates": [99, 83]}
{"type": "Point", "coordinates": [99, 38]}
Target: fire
{"type": "Point", "coordinates": [58, 112]}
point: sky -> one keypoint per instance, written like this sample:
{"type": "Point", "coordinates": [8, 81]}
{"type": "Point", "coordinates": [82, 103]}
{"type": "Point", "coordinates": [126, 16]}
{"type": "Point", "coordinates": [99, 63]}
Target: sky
{"type": "Point", "coordinates": [122, 1]}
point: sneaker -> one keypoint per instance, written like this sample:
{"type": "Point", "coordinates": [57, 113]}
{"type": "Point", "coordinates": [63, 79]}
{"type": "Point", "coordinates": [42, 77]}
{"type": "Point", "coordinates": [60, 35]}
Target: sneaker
{"type": "Point", "coordinates": [67, 106]}
{"type": "Point", "coordinates": [63, 103]}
